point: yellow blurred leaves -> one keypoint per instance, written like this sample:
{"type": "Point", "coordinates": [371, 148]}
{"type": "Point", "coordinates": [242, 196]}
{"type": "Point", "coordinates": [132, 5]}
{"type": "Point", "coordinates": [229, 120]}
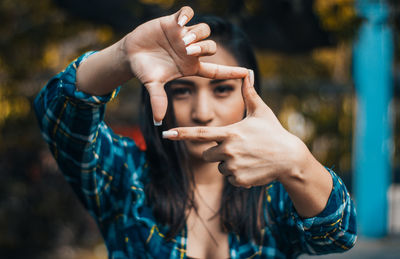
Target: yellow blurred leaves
{"type": "Point", "coordinates": [335, 15]}
{"type": "Point", "coordinates": [304, 66]}
{"type": "Point", "coordinates": [51, 57]}
{"type": "Point", "coordinates": [104, 34]}
{"type": "Point", "coordinates": [337, 60]}
{"type": "Point", "coordinates": [294, 120]}
{"type": "Point", "coordinates": [16, 107]}
{"type": "Point", "coordinates": [328, 62]}
{"type": "Point", "coordinates": [326, 56]}
{"type": "Point", "coordinates": [57, 54]}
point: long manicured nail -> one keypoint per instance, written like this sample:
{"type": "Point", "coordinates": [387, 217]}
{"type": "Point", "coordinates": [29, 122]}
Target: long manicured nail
{"type": "Point", "coordinates": [169, 133]}
{"type": "Point", "coordinates": [157, 123]}
{"type": "Point", "coordinates": [189, 38]}
{"type": "Point", "coordinates": [251, 77]}
{"type": "Point", "coordinates": [193, 50]}
{"type": "Point", "coordinates": [182, 21]}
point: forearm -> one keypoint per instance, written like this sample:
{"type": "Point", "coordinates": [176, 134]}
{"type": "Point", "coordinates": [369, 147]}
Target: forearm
{"type": "Point", "coordinates": [65, 113]}
{"type": "Point", "coordinates": [308, 184]}
{"type": "Point", "coordinates": [104, 71]}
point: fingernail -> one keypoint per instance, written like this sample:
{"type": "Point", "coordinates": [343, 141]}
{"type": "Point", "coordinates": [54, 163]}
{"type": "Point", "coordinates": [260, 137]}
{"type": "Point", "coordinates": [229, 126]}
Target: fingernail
{"type": "Point", "coordinates": [182, 21]}
{"type": "Point", "coordinates": [169, 133]}
{"type": "Point", "coordinates": [157, 123]}
{"type": "Point", "coordinates": [251, 77]}
{"type": "Point", "coordinates": [193, 50]}
{"type": "Point", "coordinates": [189, 38]}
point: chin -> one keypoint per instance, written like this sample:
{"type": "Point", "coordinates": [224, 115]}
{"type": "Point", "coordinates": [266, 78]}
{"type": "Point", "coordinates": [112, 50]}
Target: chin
{"type": "Point", "coordinates": [196, 148]}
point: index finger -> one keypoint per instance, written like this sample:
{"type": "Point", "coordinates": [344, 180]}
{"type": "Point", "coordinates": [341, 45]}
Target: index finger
{"type": "Point", "coordinates": [216, 71]}
{"type": "Point", "coordinates": [217, 134]}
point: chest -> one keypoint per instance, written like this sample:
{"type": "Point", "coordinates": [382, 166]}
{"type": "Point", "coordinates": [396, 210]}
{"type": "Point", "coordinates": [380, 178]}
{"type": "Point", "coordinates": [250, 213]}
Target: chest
{"type": "Point", "coordinates": [205, 237]}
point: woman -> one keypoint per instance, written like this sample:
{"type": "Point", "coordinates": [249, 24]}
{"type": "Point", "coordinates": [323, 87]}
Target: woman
{"type": "Point", "coordinates": [237, 185]}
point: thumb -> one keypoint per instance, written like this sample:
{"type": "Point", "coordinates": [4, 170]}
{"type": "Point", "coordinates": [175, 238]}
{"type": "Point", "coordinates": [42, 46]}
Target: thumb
{"type": "Point", "coordinates": [158, 100]}
{"type": "Point", "coordinates": [251, 98]}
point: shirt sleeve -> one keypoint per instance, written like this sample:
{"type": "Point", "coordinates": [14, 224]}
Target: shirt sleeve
{"type": "Point", "coordinates": [92, 158]}
{"type": "Point", "coordinates": [332, 230]}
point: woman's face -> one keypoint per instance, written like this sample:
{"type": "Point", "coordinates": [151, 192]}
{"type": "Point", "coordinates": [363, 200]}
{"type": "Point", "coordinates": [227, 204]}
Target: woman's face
{"type": "Point", "coordinates": [199, 101]}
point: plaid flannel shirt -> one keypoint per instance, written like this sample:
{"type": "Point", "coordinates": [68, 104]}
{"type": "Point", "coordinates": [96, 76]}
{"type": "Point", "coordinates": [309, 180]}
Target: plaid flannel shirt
{"type": "Point", "coordinates": [107, 172]}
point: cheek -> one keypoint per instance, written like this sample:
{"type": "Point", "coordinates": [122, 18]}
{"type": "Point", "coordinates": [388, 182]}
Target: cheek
{"type": "Point", "coordinates": [182, 112]}
{"type": "Point", "coordinates": [233, 110]}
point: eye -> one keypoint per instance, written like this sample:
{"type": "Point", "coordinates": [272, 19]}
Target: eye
{"type": "Point", "coordinates": [180, 92]}
{"type": "Point", "coordinates": [223, 90]}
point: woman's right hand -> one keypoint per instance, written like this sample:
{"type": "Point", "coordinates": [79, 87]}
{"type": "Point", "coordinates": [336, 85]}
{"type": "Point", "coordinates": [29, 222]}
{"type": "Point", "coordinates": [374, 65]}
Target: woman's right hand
{"type": "Point", "coordinates": [164, 49]}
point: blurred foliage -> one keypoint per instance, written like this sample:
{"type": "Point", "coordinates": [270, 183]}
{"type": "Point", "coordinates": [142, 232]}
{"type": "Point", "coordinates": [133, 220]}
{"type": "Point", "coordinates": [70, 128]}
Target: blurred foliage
{"type": "Point", "coordinates": [304, 52]}
{"type": "Point", "coordinates": [338, 16]}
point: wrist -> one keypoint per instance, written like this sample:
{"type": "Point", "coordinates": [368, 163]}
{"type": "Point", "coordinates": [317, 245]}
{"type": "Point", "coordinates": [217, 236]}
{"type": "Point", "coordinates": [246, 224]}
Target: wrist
{"type": "Point", "coordinates": [123, 56]}
{"type": "Point", "coordinates": [308, 183]}
{"type": "Point", "coordinates": [298, 160]}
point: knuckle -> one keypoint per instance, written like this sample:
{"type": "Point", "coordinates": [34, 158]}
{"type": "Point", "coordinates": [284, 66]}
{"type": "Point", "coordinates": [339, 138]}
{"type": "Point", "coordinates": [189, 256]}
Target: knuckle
{"type": "Point", "coordinates": [209, 47]}
{"type": "Point", "coordinates": [213, 45]}
{"type": "Point", "coordinates": [201, 133]}
{"type": "Point", "coordinates": [206, 48]}
{"type": "Point", "coordinates": [226, 151]}
{"type": "Point", "coordinates": [234, 134]}
{"type": "Point", "coordinates": [231, 167]}
{"type": "Point", "coordinates": [182, 133]}
{"type": "Point", "coordinates": [205, 29]}
{"type": "Point", "coordinates": [216, 72]}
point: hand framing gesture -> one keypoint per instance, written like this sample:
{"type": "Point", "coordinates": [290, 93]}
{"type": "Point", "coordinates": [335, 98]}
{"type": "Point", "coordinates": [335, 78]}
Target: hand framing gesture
{"type": "Point", "coordinates": [164, 49]}
{"type": "Point", "coordinates": [254, 151]}
{"type": "Point", "coordinates": [156, 52]}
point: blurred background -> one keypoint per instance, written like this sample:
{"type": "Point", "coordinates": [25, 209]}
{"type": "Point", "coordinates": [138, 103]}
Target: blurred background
{"type": "Point", "coordinates": [317, 58]}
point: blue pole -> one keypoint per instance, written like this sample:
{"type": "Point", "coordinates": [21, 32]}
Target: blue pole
{"type": "Point", "coordinates": [372, 60]}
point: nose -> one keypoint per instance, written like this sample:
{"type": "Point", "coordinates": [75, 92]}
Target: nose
{"type": "Point", "coordinates": [202, 109]}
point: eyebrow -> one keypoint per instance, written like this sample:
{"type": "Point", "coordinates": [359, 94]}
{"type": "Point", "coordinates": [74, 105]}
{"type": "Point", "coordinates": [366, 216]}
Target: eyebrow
{"type": "Point", "coordinates": [181, 81]}
{"type": "Point", "coordinates": [216, 81]}
{"type": "Point", "coordinates": [191, 83]}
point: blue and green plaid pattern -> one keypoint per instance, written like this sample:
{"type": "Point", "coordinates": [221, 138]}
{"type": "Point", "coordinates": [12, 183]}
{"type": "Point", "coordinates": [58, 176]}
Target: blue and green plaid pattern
{"type": "Point", "coordinates": [107, 172]}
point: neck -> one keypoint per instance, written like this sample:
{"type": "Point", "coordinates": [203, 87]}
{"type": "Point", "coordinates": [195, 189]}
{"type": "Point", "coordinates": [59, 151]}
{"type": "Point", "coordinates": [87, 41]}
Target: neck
{"type": "Point", "coordinates": [206, 174]}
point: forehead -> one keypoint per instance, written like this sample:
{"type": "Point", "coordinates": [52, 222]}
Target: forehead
{"type": "Point", "coordinates": [222, 57]}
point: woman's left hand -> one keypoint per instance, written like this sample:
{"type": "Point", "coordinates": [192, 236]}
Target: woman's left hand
{"type": "Point", "coordinates": [255, 151]}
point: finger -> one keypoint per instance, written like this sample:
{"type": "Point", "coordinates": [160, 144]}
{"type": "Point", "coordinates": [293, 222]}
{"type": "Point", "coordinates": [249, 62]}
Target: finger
{"type": "Point", "coordinates": [158, 100]}
{"type": "Point", "coordinates": [184, 15]}
{"type": "Point", "coordinates": [217, 134]}
{"type": "Point", "coordinates": [202, 48]}
{"type": "Point", "coordinates": [215, 71]}
{"type": "Point", "coordinates": [251, 98]}
{"type": "Point", "coordinates": [215, 154]}
{"type": "Point", "coordinates": [196, 33]}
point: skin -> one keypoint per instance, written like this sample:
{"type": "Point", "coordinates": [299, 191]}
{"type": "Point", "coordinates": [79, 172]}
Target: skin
{"type": "Point", "coordinates": [258, 150]}
{"type": "Point", "coordinates": [255, 151]}
{"type": "Point", "coordinates": [199, 101]}
{"type": "Point", "coordinates": [155, 53]}
{"type": "Point", "coordinates": [250, 152]}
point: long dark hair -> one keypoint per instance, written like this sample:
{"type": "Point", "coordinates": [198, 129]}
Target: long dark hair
{"type": "Point", "coordinates": [168, 189]}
